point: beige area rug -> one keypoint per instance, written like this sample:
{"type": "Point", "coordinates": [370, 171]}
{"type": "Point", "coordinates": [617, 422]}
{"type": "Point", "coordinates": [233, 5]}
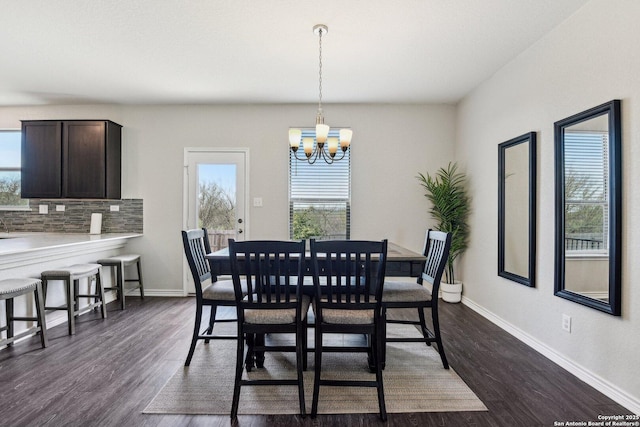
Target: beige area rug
{"type": "Point", "coordinates": [414, 381]}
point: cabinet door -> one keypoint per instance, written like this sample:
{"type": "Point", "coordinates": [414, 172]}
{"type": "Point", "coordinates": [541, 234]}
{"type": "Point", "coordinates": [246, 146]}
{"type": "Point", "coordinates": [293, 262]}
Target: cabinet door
{"type": "Point", "coordinates": [41, 159]}
{"type": "Point", "coordinates": [84, 159]}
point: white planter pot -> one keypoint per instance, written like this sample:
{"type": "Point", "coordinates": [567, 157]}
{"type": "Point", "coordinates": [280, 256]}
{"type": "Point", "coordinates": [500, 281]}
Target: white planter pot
{"type": "Point", "coordinates": [451, 292]}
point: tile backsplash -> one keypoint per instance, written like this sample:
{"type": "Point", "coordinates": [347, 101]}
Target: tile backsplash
{"type": "Point", "coordinates": [76, 217]}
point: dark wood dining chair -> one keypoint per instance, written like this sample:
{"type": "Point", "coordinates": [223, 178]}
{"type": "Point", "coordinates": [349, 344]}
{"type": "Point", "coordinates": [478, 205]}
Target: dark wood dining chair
{"type": "Point", "coordinates": [421, 294]}
{"type": "Point", "coordinates": [348, 277]}
{"type": "Point", "coordinates": [274, 303]}
{"type": "Point", "coordinates": [210, 294]}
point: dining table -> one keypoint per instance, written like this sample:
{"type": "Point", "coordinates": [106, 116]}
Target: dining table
{"type": "Point", "coordinates": [401, 262]}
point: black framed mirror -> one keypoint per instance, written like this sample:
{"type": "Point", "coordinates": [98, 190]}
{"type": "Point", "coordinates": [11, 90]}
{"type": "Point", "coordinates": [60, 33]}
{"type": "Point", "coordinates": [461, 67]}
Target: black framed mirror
{"type": "Point", "coordinates": [588, 240]}
{"type": "Point", "coordinates": [517, 209]}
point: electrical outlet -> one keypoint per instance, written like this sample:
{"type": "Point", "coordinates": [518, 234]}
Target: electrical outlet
{"type": "Point", "coordinates": [257, 202]}
{"type": "Point", "coordinates": [60, 208]}
{"type": "Point", "coordinates": [566, 322]}
{"type": "Point", "coordinates": [43, 209]}
{"type": "Point", "coordinates": [114, 208]}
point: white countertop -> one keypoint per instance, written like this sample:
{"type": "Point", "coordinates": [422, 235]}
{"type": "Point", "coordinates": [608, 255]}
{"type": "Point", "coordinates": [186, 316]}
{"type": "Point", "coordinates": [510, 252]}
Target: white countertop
{"type": "Point", "coordinates": [18, 242]}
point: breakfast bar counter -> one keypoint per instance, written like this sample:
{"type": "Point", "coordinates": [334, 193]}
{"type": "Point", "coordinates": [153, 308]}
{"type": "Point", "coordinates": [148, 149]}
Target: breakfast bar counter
{"type": "Point", "coordinates": [25, 254]}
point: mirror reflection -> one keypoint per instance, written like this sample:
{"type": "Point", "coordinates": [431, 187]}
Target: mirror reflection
{"type": "Point", "coordinates": [516, 215]}
{"type": "Point", "coordinates": [587, 213]}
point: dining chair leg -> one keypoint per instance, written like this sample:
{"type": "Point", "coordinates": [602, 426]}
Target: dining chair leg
{"type": "Point", "coordinates": [304, 343]}
{"type": "Point", "coordinates": [196, 332]}
{"type": "Point", "coordinates": [300, 356]}
{"type": "Point", "coordinates": [236, 386]}
{"type": "Point", "coordinates": [438, 337]}
{"type": "Point", "coordinates": [378, 344]}
{"type": "Point", "coordinates": [318, 369]}
{"type": "Point", "coordinates": [249, 360]}
{"type": "Point", "coordinates": [212, 319]}
{"type": "Point", "coordinates": [423, 326]}
{"type": "Point", "coordinates": [259, 355]}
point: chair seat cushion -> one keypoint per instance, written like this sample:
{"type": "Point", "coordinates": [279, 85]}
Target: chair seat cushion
{"type": "Point", "coordinates": [404, 292]}
{"type": "Point", "coordinates": [345, 316]}
{"type": "Point", "coordinates": [74, 272]}
{"type": "Point", "coordinates": [222, 290]}
{"type": "Point", "coordinates": [17, 286]}
{"type": "Point", "coordinates": [125, 258]}
{"type": "Point", "coordinates": [283, 316]}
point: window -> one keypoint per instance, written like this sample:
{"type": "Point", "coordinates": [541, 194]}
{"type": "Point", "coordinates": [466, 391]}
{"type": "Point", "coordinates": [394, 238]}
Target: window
{"type": "Point", "coordinates": [10, 145]}
{"type": "Point", "coordinates": [586, 192]}
{"type": "Point", "coordinates": [319, 196]}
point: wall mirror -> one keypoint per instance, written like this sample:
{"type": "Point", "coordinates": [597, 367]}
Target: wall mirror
{"type": "Point", "coordinates": [517, 209]}
{"type": "Point", "coordinates": [588, 172]}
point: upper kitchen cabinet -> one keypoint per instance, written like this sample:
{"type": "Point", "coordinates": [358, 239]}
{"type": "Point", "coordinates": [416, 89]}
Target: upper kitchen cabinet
{"type": "Point", "coordinates": [71, 159]}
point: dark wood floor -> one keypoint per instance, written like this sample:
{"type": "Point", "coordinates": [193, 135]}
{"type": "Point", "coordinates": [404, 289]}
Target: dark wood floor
{"type": "Point", "coordinates": [107, 374]}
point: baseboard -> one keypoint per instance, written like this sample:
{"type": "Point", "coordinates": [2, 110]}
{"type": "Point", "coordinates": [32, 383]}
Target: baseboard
{"type": "Point", "coordinates": [158, 292]}
{"type": "Point", "coordinates": [59, 317]}
{"type": "Point", "coordinates": [605, 387]}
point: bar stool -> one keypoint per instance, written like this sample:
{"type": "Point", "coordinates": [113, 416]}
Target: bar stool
{"type": "Point", "coordinates": [120, 262]}
{"type": "Point", "coordinates": [11, 288]}
{"type": "Point", "coordinates": [71, 277]}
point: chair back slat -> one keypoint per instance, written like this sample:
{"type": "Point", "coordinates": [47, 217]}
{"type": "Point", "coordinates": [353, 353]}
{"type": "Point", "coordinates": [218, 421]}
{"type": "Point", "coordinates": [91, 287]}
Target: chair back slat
{"type": "Point", "coordinates": [351, 274]}
{"type": "Point", "coordinates": [196, 246]}
{"type": "Point", "coordinates": [272, 271]}
{"type": "Point", "coordinates": [436, 249]}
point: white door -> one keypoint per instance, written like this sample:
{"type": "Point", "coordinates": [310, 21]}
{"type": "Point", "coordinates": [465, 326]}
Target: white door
{"type": "Point", "coordinates": [215, 196]}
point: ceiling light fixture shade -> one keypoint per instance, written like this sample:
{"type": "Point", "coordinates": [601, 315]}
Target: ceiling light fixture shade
{"type": "Point", "coordinates": [315, 149]}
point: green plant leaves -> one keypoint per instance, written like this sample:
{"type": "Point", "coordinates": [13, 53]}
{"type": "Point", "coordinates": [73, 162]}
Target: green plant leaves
{"type": "Point", "coordinates": [451, 204]}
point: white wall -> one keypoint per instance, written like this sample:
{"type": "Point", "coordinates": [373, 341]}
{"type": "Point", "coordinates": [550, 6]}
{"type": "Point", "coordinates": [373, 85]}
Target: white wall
{"type": "Point", "coordinates": [391, 144]}
{"type": "Point", "coordinates": [589, 59]}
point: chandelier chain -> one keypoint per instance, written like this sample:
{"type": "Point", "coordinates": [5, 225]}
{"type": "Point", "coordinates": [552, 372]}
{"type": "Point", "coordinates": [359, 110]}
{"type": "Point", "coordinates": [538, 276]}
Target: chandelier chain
{"type": "Point", "coordinates": [320, 70]}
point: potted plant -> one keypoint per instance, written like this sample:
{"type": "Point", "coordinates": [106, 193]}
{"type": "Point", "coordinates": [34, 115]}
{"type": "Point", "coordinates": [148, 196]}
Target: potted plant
{"type": "Point", "coordinates": [447, 192]}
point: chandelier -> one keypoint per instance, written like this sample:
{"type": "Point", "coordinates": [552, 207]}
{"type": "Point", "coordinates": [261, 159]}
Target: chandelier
{"type": "Point", "coordinates": [322, 146]}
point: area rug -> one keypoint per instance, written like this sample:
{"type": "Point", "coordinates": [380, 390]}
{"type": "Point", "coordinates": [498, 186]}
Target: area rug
{"type": "Point", "coordinates": [414, 381]}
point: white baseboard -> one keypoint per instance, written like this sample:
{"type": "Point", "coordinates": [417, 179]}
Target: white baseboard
{"type": "Point", "coordinates": [58, 318]}
{"type": "Point", "coordinates": [605, 387]}
{"type": "Point", "coordinates": [159, 292]}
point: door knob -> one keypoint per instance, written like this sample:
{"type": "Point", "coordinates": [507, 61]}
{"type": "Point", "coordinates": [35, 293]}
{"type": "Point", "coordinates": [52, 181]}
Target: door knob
{"type": "Point", "coordinates": [239, 220]}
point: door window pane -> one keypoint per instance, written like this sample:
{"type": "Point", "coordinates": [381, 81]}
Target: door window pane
{"type": "Point", "coordinates": [217, 202]}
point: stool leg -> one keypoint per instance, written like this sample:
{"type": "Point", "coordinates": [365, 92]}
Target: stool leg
{"type": "Point", "coordinates": [100, 291]}
{"type": "Point", "coordinates": [9, 313]}
{"type": "Point", "coordinates": [40, 314]}
{"type": "Point", "coordinates": [71, 300]}
{"type": "Point", "coordinates": [139, 267]}
{"type": "Point", "coordinates": [120, 283]}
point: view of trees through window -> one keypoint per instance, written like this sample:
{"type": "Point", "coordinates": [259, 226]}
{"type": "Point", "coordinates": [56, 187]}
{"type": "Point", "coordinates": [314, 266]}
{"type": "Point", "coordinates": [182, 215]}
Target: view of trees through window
{"type": "Point", "coordinates": [10, 169]}
{"type": "Point", "coordinates": [216, 207]}
{"type": "Point", "coordinates": [318, 221]}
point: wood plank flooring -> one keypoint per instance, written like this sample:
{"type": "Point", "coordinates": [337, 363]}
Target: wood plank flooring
{"type": "Point", "coordinates": [107, 374]}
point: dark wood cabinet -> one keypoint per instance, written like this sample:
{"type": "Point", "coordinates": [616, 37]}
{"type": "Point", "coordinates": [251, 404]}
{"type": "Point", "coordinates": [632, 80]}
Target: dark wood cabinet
{"type": "Point", "coordinates": [71, 159]}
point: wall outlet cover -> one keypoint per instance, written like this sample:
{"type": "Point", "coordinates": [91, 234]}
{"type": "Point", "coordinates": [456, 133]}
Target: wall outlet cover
{"type": "Point", "coordinates": [43, 209]}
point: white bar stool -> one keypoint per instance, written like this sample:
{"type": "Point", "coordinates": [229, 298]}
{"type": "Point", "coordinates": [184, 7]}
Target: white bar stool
{"type": "Point", "coordinates": [11, 288]}
{"type": "Point", "coordinates": [120, 262]}
{"type": "Point", "coordinates": [71, 276]}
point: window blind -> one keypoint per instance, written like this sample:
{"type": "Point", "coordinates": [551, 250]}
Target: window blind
{"type": "Point", "coordinates": [586, 190]}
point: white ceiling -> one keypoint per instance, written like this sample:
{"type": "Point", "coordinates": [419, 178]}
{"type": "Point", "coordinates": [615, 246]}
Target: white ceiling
{"type": "Point", "coordinates": [255, 51]}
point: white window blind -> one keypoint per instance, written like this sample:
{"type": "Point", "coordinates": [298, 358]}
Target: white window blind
{"type": "Point", "coordinates": [319, 196]}
{"type": "Point", "coordinates": [586, 191]}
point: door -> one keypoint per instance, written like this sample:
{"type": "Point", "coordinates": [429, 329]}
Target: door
{"type": "Point", "coordinates": [216, 196]}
